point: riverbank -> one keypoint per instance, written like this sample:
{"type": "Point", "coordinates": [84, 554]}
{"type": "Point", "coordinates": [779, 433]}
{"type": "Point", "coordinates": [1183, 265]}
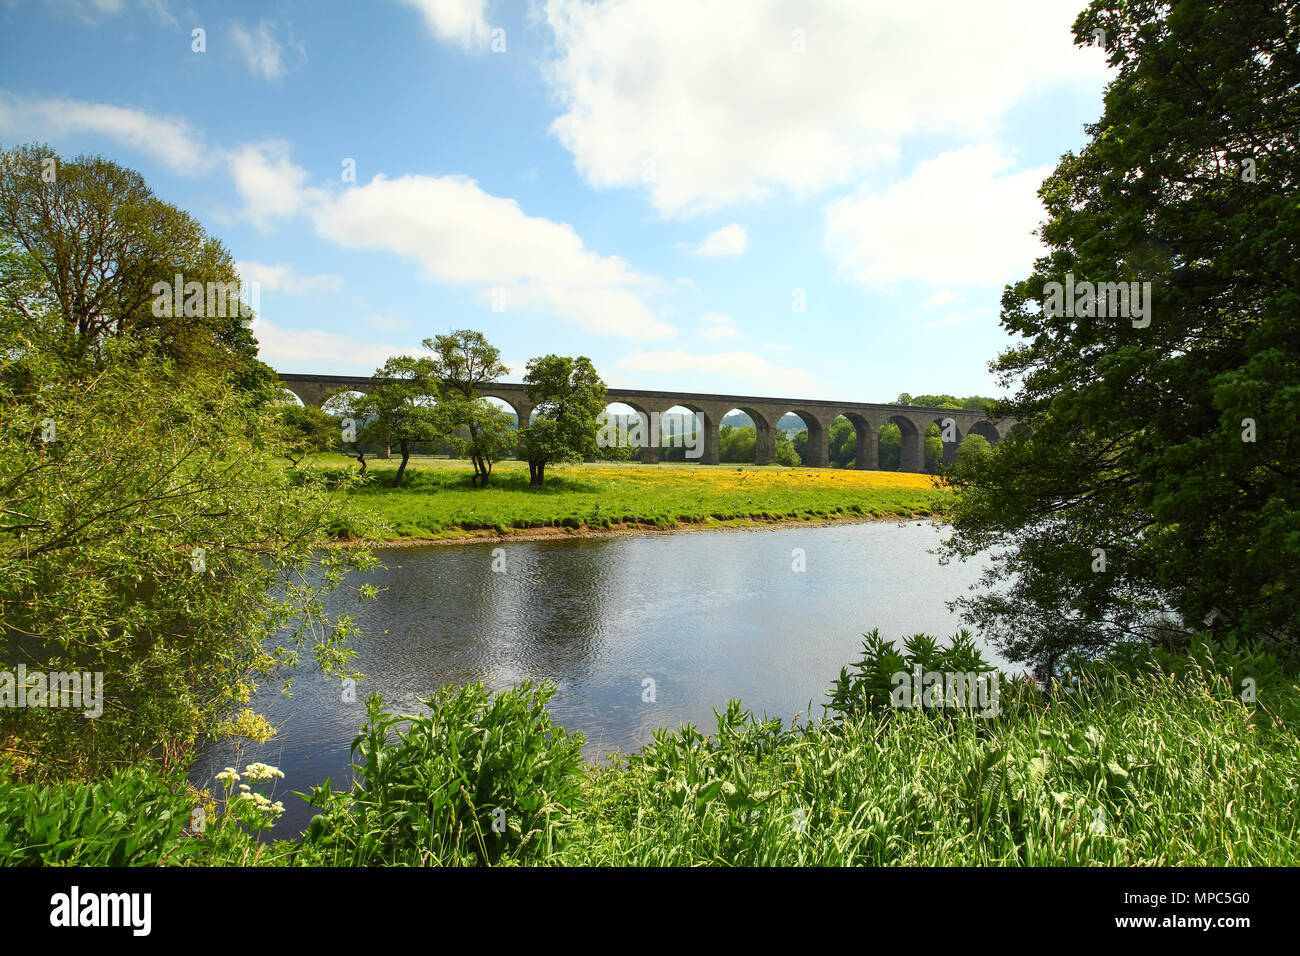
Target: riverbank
{"type": "Point", "coordinates": [437, 504]}
{"type": "Point", "coordinates": [1145, 762]}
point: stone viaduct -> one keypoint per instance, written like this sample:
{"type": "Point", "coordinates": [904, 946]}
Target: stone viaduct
{"type": "Point", "coordinates": [817, 415]}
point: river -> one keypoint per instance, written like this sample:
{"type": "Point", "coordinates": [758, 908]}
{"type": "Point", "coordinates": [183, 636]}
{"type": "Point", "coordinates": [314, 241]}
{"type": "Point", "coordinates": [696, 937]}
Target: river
{"type": "Point", "coordinates": [707, 616]}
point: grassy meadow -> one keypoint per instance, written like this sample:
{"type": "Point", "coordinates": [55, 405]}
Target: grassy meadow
{"type": "Point", "coordinates": [437, 501]}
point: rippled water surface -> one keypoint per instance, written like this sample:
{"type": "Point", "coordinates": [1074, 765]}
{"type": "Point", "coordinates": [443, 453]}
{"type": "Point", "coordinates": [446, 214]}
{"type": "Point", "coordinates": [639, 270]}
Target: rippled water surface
{"type": "Point", "coordinates": [709, 616]}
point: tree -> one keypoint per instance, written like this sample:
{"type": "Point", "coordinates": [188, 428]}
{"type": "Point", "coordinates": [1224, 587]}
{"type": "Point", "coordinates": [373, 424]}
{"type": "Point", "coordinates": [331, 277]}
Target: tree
{"type": "Point", "coordinates": [464, 362]}
{"type": "Point", "coordinates": [842, 444]}
{"type": "Point", "coordinates": [399, 410]}
{"type": "Point", "coordinates": [973, 446]}
{"type": "Point", "coordinates": [568, 396]}
{"type": "Point", "coordinates": [890, 453]}
{"type": "Point", "coordinates": [478, 429]}
{"type": "Point", "coordinates": [148, 536]}
{"type": "Point", "coordinates": [101, 245]}
{"type": "Point", "coordinates": [1156, 480]}
{"type": "Point", "coordinates": [307, 430]}
{"type": "Point", "coordinates": [737, 444]}
{"type": "Point", "coordinates": [785, 453]}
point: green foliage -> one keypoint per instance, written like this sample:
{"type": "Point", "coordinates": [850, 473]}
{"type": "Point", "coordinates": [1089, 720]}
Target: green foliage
{"type": "Point", "coordinates": [890, 447]}
{"type": "Point", "coordinates": [431, 787]}
{"type": "Point", "coordinates": [1138, 441]}
{"type": "Point", "coordinates": [111, 476]}
{"type": "Point", "coordinates": [868, 683]}
{"type": "Point", "coordinates": [87, 249]}
{"type": "Point", "coordinates": [307, 430]}
{"type": "Point", "coordinates": [568, 397]}
{"type": "Point", "coordinates": [135, 817]}
{"type": "Point", "coordinates": [1146, 758]}
{"type": "Point", "coordinates": [400, 409]}
{"type": "Point", "coordinates": [785, 453]}
{"type": "Point", "coordinates": [478, 430]}
{"type": "Point", "coordinates": [736, 444]}
{"type": "Point", "coordinates": [973, 446]}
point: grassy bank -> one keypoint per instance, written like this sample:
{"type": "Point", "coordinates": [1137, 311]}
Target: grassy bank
{"type": "Point", "coordinates": [1154, 760]}
{"type": "Point", "coordinates": [437, 501]}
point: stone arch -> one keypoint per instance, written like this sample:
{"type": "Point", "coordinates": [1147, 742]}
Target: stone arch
{"type": "Point", "coordinates": [866, 439]}
{"type": "Point", "coordinates": [950, 433]}
{"type": "Point", "coordinates": [912, 450]}
{"type": "Point", "coordinates": [818, 425]}
{"type": "Point", "coordinates": [709, 415]}
{"type": "Point", "coordinates": [627, 426]}
{"type": "Point", "coordinates": [764, 439]}
{"type": "Point", "coordinates": [986, 430]}
{"type": "Point", "coordinates": [521, 408]}
{"type": "Point", "coordinates": [680, 435]}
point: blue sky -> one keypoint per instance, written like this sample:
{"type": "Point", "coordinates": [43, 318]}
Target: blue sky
{"type": "Point", "coordinates": [658, 185]}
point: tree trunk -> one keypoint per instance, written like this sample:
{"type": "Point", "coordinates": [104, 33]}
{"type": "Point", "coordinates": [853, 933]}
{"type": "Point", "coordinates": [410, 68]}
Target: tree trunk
{"type": "Point", "coordinates": [406, 456]}
{"type": "Point", "coordinates": [361, 457]}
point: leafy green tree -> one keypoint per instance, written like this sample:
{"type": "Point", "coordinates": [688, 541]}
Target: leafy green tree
{"type": "Point", "coordinates": [973, 446]}
{"type": "Point", "coordinates": [477, 429]}
{"type": "Point", "coordinates": [785, 453]}
{"type": "Point", "coordinates": [737, 444]}
{"type": "Point", "coordinates": [890, 448]}
{"type": "Point", "coordinates": [1156, 482]}
{"type": "Point", "coordinates": [307, 430]}
{"type": "Point", "coordinates": [96, 243]}
{"type": "Point", "coordinates": [147, 535]}
{"type": "Point", "coordinates": [933, 448]}
{"type": "Point", "coordinates": [464, 361]}
{"type": "Point", "coordinates": [842, 443]}
{"type": "Point", "coordinates": [400, 410]}
{"type": "Point", "coordinates": [568, 396]}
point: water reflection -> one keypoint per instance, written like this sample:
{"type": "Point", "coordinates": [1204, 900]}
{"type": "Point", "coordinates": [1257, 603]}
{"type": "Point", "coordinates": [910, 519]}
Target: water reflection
{"type": "Point", "coordinates": [708, 616]}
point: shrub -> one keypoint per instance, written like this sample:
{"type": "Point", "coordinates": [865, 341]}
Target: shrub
{"type": "Point", "coordinates": [481, 777]}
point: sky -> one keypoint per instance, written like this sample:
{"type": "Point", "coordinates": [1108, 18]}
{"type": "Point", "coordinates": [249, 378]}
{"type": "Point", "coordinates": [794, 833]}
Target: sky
{"type": "Point", "coordinates": [811, 200]}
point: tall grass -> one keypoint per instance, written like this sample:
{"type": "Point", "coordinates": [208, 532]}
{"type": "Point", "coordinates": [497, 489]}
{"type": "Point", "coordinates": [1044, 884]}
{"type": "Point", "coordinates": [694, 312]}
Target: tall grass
{"type": "Point", "coordinates": [1142, 759]}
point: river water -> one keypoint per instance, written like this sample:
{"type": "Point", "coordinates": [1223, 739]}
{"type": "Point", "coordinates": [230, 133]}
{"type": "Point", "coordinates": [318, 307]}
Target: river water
{"type": "Point", "coordinates": [707, 616]}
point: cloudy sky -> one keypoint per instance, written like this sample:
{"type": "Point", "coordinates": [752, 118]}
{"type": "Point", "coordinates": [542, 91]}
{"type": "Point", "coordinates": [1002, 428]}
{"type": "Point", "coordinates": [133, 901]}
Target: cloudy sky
{"type": "Point", "coordinates": [813, 199]}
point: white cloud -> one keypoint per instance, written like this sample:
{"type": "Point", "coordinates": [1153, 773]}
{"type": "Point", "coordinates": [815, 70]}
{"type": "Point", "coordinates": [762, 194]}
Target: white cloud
{"type": "Point", "coordinates": [93, 11]}
{"type": "Point", "coordinates": [946, 297]}
{"type": "Point", "coordinates": [167, 140]}
{"type": "Point", "coordinates": [709, 105]}
{"type": "Point", "coordinates": [960, 218]}
{"type": "Point", "coordinates": [285, 279]}
{"type": "Point", "coordinates": [730, 240]}
{"type": "Point", "coordinates": [463, 22]}
{"type": "Point", "coordinates": [718, 327]}
{"type": "Point", "coordinates": [459, 234]}
{"type": "Point", "coordinates": [271, 186]}
{"type": "Point", "coordinates": [264, 54]}
{"type": "Point", "coordinates": [319, 350]}
{"type": "Point", "coordinates": [737, 371]}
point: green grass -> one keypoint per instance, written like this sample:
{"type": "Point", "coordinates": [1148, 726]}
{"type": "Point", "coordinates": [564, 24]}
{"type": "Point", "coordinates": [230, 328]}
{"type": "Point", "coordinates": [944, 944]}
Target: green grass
{"type": "Point", "coordinates": [1153, 760]}
{"type": "Point", "coordinates": [436, 499]}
